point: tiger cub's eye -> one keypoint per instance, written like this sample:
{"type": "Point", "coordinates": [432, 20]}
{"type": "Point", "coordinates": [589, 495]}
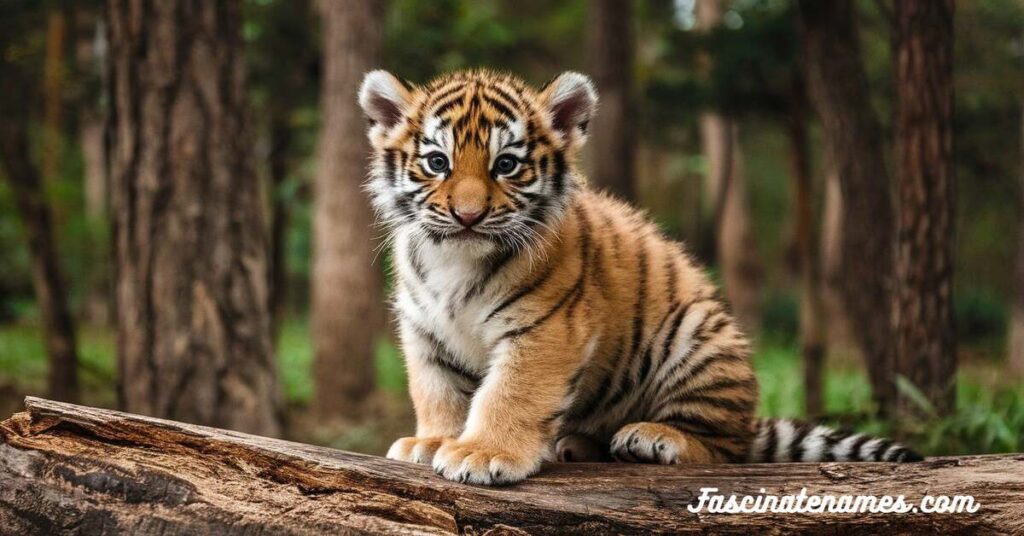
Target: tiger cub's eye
{"type": "Point", "coordinates": [505, 164]}
{"type": "Point", "coordinates": [437, 162]}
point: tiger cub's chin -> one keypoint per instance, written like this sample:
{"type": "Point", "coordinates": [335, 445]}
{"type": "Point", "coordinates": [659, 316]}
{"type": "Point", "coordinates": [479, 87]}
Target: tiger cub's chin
{"type": "Point", "coordinates": [540, 320]}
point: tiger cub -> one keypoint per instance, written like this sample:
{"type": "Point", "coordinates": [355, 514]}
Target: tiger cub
{"type": "Point", "coordinates": [540, 319]}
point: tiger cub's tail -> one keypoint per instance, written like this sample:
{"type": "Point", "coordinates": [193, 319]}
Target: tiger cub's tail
{"type": "Point", "coordinates": [784, 440]}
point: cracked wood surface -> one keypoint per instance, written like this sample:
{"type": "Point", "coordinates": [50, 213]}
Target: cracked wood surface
{"type": "Point", "coordinates": [80, 470]}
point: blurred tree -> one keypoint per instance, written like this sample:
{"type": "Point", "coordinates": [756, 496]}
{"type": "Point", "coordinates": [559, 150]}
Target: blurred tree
{"type": "Point", "coordinates": [725, 187]}
{"type": "Point", "coordinates": [1016, 347]}
{"type": "Point", "coordinates": [925, 331]}
{"type": "Point", "coordinates": [89, 34]}
{"type": "Point", "coordinates": [805, 252]}
{"type": "Point", "coordinates": [612, 147]}
{"type": "Point", "coordinates": [53, 91]}
{"type": "Point", "coordinates": [20, 84]}
{"type": "Point", "coordinates": [1017, 318]}
{"type": "Point", "coordinates": [837, 87]}
{"type": "Point", "coordinates": [193, 323]}
{"type": "Point", "coordinates": [347, 295]}
{"type": "Point", "coordinates": [283, 56]}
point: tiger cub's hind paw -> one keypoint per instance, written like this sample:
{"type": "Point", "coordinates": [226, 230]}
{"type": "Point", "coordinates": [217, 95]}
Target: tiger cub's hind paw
{"type": "Point", "coordinates": [647, 442]}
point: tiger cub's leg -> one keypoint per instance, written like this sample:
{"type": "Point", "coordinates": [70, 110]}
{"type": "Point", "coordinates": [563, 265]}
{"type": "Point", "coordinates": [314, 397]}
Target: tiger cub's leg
{"type": "Point", "coordinates": [515, 413]}
{"type": "Point", "coordinates": [440, 393]}
{"type": "Point", "coordinates": [703, 401]}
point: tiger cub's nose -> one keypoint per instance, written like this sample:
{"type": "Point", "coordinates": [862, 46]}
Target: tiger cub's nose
{"type": "Point", "coordinates": [468, 216]}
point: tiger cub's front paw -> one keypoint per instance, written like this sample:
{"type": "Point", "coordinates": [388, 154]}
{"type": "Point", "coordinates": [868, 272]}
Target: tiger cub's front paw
{"type": "Point", "coordinates": [416, 449]}
{"type": "Point", "coordinates": [473, 462]}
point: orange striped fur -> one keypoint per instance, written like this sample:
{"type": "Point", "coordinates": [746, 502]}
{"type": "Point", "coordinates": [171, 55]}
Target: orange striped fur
{"type": "Point", "coordinates": [540, 319]}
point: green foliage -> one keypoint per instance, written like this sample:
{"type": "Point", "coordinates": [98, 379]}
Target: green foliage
{"type": "Point", "coordinates": [981, 320]}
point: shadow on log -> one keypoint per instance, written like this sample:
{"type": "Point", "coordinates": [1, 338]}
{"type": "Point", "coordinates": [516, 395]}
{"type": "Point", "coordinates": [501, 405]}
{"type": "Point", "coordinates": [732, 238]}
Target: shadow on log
{"type": "Point", "coordinates": [80, 470]}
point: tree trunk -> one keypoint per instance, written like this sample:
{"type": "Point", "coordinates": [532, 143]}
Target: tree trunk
{"type": "Point", "coordinates": [53, 94]}
{"type": "Point", "coordinates": [104, 472]}
{"type": "Point", "coordinates": [1017, 319]}
{"type": "Point", "coordinates": [838, 333]}
{"type": "Point", "coordinates": [837, 87]}
{"type": "Point", "coordinates": [612, 147]}
{"type": "Point", "coordinates": [347, 301]}
{"type": "Point", "coordinates": [193, 323]}
{"type": "Point", "coordinates": [90, 49]}
{"type": "Point", "coordinates": [925, 327]}
{"type": "Point", "coordinates": [725, 188]}
{"type": "Point", "coordinates": [812, 330]}
{"type": "Point", "coordinates": [280, 142]}
{"type": "Point", "coordinates": [736, 246]}
{"type": "Point", "coordinates": [29, 194]}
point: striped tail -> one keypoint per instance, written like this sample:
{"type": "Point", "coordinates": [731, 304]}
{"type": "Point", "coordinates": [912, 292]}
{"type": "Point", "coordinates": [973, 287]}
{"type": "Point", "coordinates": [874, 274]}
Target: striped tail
{"type": "Point", "coordinates": [783, 440]}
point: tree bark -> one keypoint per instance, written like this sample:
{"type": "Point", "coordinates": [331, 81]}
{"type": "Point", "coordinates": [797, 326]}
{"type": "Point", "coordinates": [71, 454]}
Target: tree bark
{"type": "Point", "coordinates": [347, 302]}
{"type": "Point", "coordinates": [925, 327]}
{"type": "Point", "coordinates": [51, 297]}
{"type": "Point", "coordinates": [1017, 317]}
{"type": "Point", "coordinates": [725, 188]}
{"type": "Point", "coordinates": [612, 148]}
{"type": "Point", "coordinates": [193, 322]}
{"type": "Point", "coordinates": [837, 87]}
{"type": "Point", "coordinates": [812, 329]}
{"type": "Point", "coordinates": [106, 472]}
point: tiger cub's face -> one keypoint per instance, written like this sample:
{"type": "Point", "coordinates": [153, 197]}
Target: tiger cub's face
{"type": "Point", "coordinates": [475, 157]}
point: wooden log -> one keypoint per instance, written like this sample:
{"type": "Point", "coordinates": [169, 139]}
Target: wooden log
{"type": "Point", "coordinates": [80, 470]}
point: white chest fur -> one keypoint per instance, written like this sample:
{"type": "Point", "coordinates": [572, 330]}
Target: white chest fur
{"type": "Point", "coordinates": [434, 292]}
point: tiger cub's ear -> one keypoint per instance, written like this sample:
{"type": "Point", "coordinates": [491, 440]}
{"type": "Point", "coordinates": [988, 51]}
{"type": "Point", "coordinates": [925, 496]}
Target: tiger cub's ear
{"type": "Point", "coordinates": [571, 101]}
{"type": "Point", "coordinates": [384, 99]}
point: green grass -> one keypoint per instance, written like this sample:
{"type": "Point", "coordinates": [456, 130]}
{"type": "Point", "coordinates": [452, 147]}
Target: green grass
{"type": "Point", "coordinates": [989, 415]}
{"type": "Point", "coordinates": [23, 362]}
{"type": "Point", "coordinates": [295, 354]}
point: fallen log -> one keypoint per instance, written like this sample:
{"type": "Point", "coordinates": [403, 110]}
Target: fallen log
{"type": "Point", "coordinates": [80, 470]}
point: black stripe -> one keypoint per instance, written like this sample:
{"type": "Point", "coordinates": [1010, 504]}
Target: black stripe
{"type": "Point", "coordinates": [583, 407]}
{"type": "Point", "coordinates": [512, 100]}
{"type": "Point", "coordinates": [494, 265]}
{"type": "Point", "coordinates": [830, 444]}
{"type": "Point", "coordinates": [725, 383]}
{"type": "Point", "coordinates": [585, 265]}
{"type": "Point", "coordinates": [640, 307]}
{"type": "Point", "coordinates": [445, 94]}
{"type": "Point", "coordinates": [443, 356]}
{"type": "Point", "coordinates": [573, 291]}
{"type": "Point", "coordinates": [671, 275]}
{"type": "Point", "coordinates": [880, 449]}
{"type": "Point", "coordinates": [666, 345]}
{"type": "Point", "coordinates": [447, 105]}
{"type": "Point", "coordinates": [730, 455]}
{"type": "Point", "coordinates": [855, 450]}
{"type": "Point", "coordinates": [649, 351]}
{"type": "Point", "coordinates": [694, 371]}
{"type": "Point", "coordinates": [499, 107]}
{"type": "Point", "coordinates": [389, 167]}
{"type": "Point", "coordinates": [523, 291]}
{"type": "Point", "coordinates": [769, 443]}
{"type": "Point", "coordinates": [797, 445]}
{"type": "Point", "coordinates": [558, 178]}
{"type": "Point", "coordinates": [697, 425]}
{"type": "Point", "coordinates": [729, 404]}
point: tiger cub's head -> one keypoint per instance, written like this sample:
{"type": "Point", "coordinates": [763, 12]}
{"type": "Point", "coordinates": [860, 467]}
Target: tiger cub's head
{"type": "Point", "coordinates": [475, 156]}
